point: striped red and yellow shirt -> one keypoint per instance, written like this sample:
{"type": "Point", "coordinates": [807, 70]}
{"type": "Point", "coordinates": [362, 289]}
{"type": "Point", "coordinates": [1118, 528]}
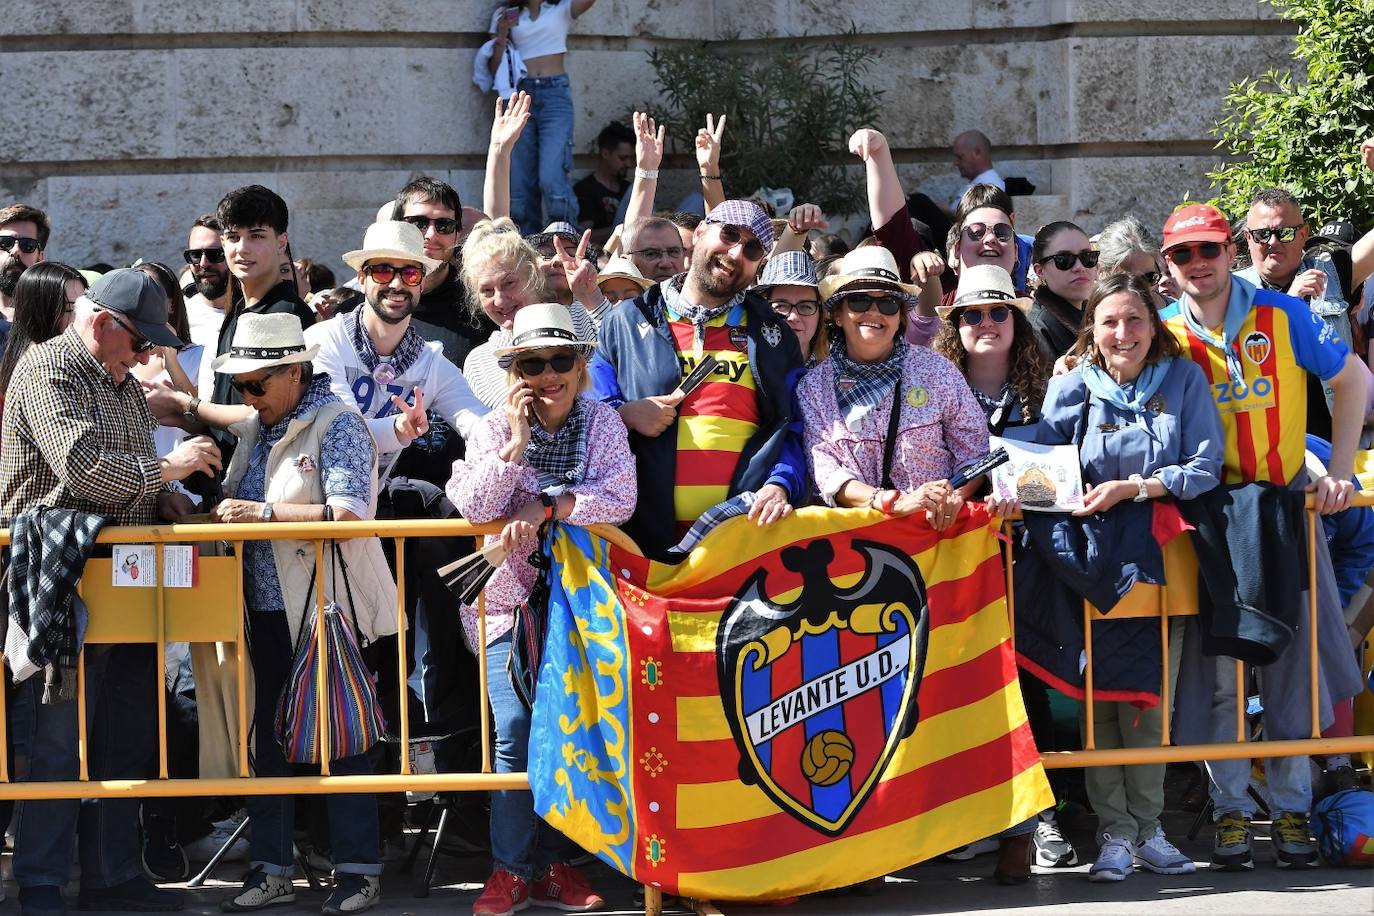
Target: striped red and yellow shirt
{"type": "Point", "coordinates": [716, 420]}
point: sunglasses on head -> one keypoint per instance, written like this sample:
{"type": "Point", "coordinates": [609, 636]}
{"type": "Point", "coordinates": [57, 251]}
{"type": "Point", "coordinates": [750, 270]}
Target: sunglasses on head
{"type": "Point", "coordinates": [141, 343]}
{"type": "Point", "coordinates": [213, 255]}
{"type": "Point", "coordinates": [532, 366]}
{"type": "Point", "coordinates": [1003, 232]}
{"type": "Point", "coordinates": [256, 387]}
{"type": "Point", "coordinates": [1184, 253]}
{"type": "Point", "coordinates": [974, 317]}
{"type": "Point", "coordinates": [1064, 259]}
{"type": "Point", "coordinates": [443, 225]}
{"type": "Point", "coordinates": [862, 302]}
{"type": "Point", "coordinates": [26, 245]}
{"type": "Point", "coordinates": [411, 274]}
{"type": "Point", "coordinates": [806, 308]}
{"type": "Point", "coordinates": [1280, 233]}
{"type": "Point", "coordinates": [730, 235]}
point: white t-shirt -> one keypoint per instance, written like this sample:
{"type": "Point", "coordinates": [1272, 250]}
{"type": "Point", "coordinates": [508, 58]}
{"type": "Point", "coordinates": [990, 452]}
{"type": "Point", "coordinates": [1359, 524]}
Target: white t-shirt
{"type": "Point", "coordinates": [988, 177]}
{"type": "Point", "coordinates": [538, 37]}
{"type": "Point", "coordinates": [445, 390]}
{"type": "Point", "coordinates": [205, 321]}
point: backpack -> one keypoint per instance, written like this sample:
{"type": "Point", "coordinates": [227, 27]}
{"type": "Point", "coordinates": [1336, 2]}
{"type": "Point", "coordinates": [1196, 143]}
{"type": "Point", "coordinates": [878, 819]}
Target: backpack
{"type": "Point", "coordinates": [1344, 827]}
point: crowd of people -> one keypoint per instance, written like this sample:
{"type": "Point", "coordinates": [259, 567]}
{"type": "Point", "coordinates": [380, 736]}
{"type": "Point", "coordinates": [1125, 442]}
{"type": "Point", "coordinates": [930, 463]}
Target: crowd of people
{"type": "Point", "coordinates": [473, 365]}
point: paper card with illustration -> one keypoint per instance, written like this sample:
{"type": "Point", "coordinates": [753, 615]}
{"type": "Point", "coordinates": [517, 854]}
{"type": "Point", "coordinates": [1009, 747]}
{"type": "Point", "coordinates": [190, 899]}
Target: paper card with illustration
{"type": "Point", "coordinates": [135, 565]}
{"type": "Point", "coordinates": [1046, 478]}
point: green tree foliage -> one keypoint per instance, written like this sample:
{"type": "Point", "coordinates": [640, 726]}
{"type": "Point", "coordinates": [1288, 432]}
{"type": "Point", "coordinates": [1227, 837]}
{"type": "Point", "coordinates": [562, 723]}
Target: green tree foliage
{"type": "Point", "coordinates": [1303, 132]}
{"type": "Point", "coordinates": [790, 109]}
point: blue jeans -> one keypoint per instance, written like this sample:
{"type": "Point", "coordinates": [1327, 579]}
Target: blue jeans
{"type": "Point", "coordinates": [353, 825]}
{"type": "Point", "coordinates": [121, 708]}
{"type": "Point", "coordinates": [541, 162]}
{"type": "Point", "coordinates": [521, 842]}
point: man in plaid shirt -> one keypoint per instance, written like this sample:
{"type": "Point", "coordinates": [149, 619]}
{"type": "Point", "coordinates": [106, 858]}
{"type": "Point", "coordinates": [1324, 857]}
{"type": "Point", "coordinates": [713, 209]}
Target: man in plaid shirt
{"type": "Point", "coordinates": [77, 434]}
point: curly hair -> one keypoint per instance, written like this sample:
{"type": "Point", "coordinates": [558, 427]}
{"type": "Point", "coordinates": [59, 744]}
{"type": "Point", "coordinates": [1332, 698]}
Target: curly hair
{"type": "Point", "coordinates": [1028, 375]}
{"type": "Point", "coordinates": [498, 243]}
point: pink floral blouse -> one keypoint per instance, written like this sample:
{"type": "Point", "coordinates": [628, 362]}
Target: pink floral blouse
{"type": "Point", "coordinates": [485, 488]}
{"type": "Point", "coordinates": [941, 428]}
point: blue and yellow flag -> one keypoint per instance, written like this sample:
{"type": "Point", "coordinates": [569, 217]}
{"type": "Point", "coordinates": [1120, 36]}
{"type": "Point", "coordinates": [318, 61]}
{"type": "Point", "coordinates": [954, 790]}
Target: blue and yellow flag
{"type": "Point", "coordinates": [788, 710]}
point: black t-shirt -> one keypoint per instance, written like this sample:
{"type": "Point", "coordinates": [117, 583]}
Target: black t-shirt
{"type": "Point", "coordinates": [597, 203]}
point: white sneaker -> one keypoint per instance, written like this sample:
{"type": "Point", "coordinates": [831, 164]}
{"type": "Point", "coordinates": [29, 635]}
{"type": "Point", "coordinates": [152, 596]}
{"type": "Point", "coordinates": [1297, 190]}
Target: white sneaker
{"type": "Point", "coordinates": [352, 894]}
{"type": "Point", "coordinates": [259, 890]}
{"type": "Point", "coordinates": [204, 849]}
{"type": "Point", "coordinates": [1160, 856]}
{"type": "Point", "coordinates": [976, 848]}
{"type": "Point", "coordinates": [1115, 861]}
{"type": "Point", "coordinates": [1051, 849]}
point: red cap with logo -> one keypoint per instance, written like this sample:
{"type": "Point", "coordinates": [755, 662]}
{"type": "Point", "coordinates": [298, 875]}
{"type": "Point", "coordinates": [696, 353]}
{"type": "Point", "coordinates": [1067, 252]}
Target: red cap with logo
{"type": "Point", "coordinates": [1196, 223]}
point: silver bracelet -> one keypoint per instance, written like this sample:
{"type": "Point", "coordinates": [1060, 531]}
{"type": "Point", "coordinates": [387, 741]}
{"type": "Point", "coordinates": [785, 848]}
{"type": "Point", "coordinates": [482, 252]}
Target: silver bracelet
{"type": "Point", "coordinates": [648, 174]}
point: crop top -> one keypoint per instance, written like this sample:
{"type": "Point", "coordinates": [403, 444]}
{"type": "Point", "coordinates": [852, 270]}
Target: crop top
{"type": "Point", "coordinates": [543, 36]}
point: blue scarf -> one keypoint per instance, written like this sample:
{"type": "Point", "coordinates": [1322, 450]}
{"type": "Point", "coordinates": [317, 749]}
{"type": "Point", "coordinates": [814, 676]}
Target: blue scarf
{"type": "Point", "coordinates": [1145, 385]}
{"type": "Point", "coordinates": [1226, 343]}
{"type": "Point", "coordinates": [410, 348]}
{"type": "Point", "coordinates": [861, 388]}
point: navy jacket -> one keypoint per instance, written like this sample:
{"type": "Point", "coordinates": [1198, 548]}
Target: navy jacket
{"type": "Point", "coordinates": [636, 358]}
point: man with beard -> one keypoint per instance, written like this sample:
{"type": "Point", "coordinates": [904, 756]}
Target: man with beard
{"type": "Point", "coordinates": [24, 234]}
{"type": "Point", "coordinates": [205, 310]}
{"type": "Point", "coordinates": [734, 433]}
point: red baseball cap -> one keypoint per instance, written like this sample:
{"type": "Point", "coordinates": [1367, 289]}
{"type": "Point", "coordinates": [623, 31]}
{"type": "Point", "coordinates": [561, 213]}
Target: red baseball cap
{"type": "Point", "coordinates": [1196, 223]}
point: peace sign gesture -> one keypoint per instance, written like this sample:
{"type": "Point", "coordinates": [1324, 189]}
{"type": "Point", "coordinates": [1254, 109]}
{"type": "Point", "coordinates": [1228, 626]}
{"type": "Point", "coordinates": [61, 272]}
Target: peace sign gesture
{"type": "Point", "coordinates": [708, 145]}
{"type": "Point", "coordinates": [580, 272]}
{"type": "Point", "coordinates": [411, 422]}
{"type": "Point", "coordinates": [648, 142]}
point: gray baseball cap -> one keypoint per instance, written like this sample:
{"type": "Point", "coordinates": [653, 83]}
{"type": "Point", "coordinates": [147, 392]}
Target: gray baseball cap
{"type": "Point", "coordinates": [140, 299]}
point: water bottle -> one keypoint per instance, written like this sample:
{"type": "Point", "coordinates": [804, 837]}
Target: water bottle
{"type": "Point", "coordinates": [1318, 304]}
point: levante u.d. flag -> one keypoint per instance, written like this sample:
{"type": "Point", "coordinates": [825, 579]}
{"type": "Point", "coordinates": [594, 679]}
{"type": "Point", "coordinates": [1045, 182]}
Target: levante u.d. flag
{"type": "Point", "coordinates": [788, 710]}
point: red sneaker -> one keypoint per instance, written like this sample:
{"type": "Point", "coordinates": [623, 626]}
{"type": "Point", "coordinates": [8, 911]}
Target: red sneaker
{"type": "Point", "coordinates": [503, 894]}
{"type": "Point", "coordinates": [564, 888]}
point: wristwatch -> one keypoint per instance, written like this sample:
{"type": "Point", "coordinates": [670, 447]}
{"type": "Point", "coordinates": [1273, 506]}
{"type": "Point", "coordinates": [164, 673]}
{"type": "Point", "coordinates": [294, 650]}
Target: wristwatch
{"type": "Point", "coordinates": [192, 410]}
{"type": "Point", "coordinates": [1142, 493]}
{"type": "Point", "coordinates": [267, 512]}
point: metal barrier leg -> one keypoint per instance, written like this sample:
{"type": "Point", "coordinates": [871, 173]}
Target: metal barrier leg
{"type": "Point", "coordinates": [220, 853]}
{"type": "Point", "coordinates": [422, 889]}
{"type": "Point", "coordinates": [425, 826]}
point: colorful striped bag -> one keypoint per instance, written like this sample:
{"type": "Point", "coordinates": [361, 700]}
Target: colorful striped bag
{"type": "Point", "coordinates": [355, 716]}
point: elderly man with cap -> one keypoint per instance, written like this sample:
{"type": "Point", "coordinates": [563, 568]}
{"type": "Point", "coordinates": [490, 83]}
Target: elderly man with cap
{"type": "Point", "coordinates": [568, 271]}
{"type": "Point", "coordinates": [78, 436]}
{"type": "Point", "coordinates": [1257, 348]}
{"type": "Point", "coordinates": [734, 433]}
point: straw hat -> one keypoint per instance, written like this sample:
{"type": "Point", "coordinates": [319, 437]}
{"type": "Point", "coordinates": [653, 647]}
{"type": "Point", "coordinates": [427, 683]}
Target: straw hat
{"type": "Point", "coordinates": [264, 341]}
{"type": "Point", "coordinates": [542, 324]}
{"type": "Point", "coordinates": [623, 269]}
{"type": "Point", "coordinates": [391, 240]}
{"type": "Point", "coordinates": [870, 267]}
{"type": "Point", "coordinates": [984, 284]}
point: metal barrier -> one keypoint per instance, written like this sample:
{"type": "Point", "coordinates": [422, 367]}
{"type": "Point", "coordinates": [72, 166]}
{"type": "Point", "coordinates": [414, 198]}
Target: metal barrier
{"type": "Point", "coordinates": [213, 613]}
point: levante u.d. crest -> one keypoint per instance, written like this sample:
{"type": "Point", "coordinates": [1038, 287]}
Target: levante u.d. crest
{"type": "Point", "coordinates": [819, 691]}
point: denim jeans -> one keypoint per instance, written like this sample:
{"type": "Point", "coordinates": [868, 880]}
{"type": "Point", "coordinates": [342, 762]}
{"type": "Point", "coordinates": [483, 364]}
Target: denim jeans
{"type": "Point", "coordinates": [121, 709]}
{"type": "Point", "coordinates": [541, 162]}
{"type": "Point", "coordinates": [353, 825]}
{"type": "Point", "coordinates": [521, 842]}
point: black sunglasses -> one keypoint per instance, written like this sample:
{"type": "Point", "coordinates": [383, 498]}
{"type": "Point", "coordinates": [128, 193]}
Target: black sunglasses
{"type": "Point", "coordinates": [213, 255]}
{"type": "Point", "coordinates": [861, 302]}
{"type": "Point", "coordinates": [974, 317]}
{"type": "Point", "coordinates": [26, 245]}
{"type": "Point", "coordinates": [1183, 254]}
{"type": "Point", "coordinates": [1282, 233]}
{"type": "Point", "coordinates": [411, 274]}
{"type": "Point", "coordinates": [1003, 232]}
{"type": "Point", "coordinates": [256, 387]}
{"type": "Point", "coordinates": [532, 366]}
{"type": "Point", "coordinates": [1064, 259]}
{"type": "Point", "coordinates": [443, 225]}
{"type": "Point", "coordinates": [805, 308]}
{"type": "Point", "coordinates": [753, 248]}
{"type": "Point", "coordinates": [141, 343]}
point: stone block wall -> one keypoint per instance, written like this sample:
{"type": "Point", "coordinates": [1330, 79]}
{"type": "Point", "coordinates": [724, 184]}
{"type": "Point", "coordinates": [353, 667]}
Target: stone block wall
{"type": "Point", "coordinates": [127, 118]}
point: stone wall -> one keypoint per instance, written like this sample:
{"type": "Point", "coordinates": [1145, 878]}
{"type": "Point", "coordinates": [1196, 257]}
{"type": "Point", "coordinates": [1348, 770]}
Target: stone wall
{"type": "Point", "coordinates": [127, 118]}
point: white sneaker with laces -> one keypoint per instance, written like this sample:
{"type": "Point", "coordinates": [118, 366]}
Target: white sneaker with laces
{"type": "Point", "coordinates": [1052, 850]}
{"type": "Point", "coordinates": [1160, 856]}
{"type": "Point", "coordinates": [1115, 861]}
{"type": "Point", "coordinates": [976, 848]}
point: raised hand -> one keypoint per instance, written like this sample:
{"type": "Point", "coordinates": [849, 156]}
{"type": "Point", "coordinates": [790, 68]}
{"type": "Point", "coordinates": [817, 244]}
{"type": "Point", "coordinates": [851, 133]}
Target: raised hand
{"type": "Point", "coordinates": [708, 145]}
{"type": "Point", "coordinates": [411, 422]}
{"type": "Point", "coordinates": [806, 217]}
{"type": "Point", "coordinates": [510, 119]}
{"type": "Point", "coordinates": [648, 142]}
{"type": "Point", "coordinates": [867, 143]}
{"type": "Point", "coordinates": [581, 273]}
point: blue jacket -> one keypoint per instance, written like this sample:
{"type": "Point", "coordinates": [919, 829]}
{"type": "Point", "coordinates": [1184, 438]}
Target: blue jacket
{"type": "Point", "coordinates": [636, 358]}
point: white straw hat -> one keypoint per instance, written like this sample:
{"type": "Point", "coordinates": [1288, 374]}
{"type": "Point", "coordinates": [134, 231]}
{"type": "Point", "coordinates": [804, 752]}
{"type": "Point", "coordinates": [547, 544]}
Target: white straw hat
{"type": "Point", "coordinates": [542, 324]}
{"type": "Point", "coordinates": [391, 240]}
{"type": "Point", "coordinates": [623, 269]}
{"type": "Point", "coordinates": [865, 268]}
{"type": "Point", "coordinates": [984, 284]}
{"type": "Point", "coordinates": [264, 341]}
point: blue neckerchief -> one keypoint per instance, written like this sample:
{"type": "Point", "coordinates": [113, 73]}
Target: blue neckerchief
{"type": "Point", "coordinates": [1146, 384]}
{"type": "Point", "coordinates": [1237, 309]}
{"type": "Point", "coordinates": [861, 388]}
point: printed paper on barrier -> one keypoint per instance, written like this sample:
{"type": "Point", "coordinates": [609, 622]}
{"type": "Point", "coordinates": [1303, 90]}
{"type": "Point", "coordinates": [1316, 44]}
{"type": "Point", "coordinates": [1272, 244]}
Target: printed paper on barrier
{"type": "Point", "coordinates": [788, 710]}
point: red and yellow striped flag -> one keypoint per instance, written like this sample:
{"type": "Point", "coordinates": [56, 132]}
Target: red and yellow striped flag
{"type": "Point", "coordinates": [790, 709]}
